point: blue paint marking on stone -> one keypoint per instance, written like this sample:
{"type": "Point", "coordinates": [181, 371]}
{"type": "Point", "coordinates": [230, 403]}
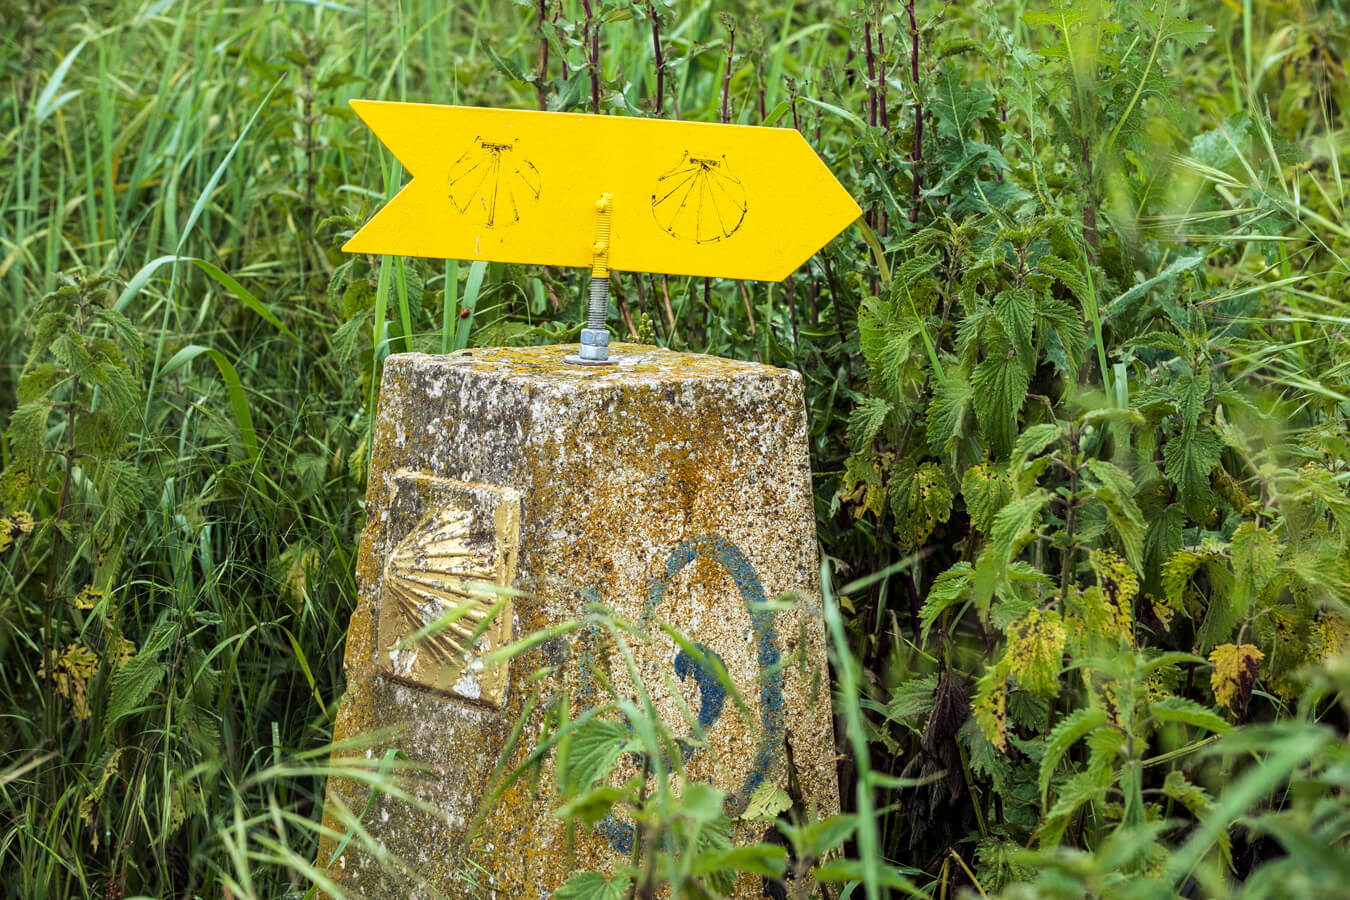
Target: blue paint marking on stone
{"type": "Point", "coordinates": [711, 693]}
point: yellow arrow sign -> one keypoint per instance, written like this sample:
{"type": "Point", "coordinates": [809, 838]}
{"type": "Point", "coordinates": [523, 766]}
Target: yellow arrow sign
{"type": "Point", "coordinates": [689, 198]}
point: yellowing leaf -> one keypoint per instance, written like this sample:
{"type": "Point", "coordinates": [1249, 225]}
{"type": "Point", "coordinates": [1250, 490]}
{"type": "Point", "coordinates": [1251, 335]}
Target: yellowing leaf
{"type": "Point", "coordinates": [1235, 671]}
{"type": "Point", "coordinates": [70, 674]}
{"type": "Point", "coordinates": [1035, 651]}
{"type": "Point", "coordinates": [1119, 585]}
{"type": "Point", "coordinates": [991, 705]}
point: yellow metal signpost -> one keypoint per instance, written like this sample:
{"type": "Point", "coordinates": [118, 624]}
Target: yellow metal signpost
{"type": "Point", "coordinates": [688, 198]}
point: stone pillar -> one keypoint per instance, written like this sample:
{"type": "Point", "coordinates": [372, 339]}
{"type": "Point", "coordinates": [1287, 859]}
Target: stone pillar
{"type": "Point", "coordinates": [669, 487]}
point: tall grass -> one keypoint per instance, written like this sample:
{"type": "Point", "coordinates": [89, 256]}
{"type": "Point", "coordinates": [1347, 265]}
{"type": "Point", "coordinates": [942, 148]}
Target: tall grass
{"type": "Point", "coordinates": [202, 157]}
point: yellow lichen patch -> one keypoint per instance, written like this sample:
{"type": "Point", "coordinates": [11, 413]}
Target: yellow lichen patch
{"type": "Point", "coordinates": [1235, 670]}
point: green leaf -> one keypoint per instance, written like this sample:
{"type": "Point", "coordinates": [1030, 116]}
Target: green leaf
{"type": "Point", "coordinates": [865, 421]}
{"type": "Point", "coordinates": [914, 697]}
{"type": "Point", "coordinates": [1188, 712]}
{"type": "Point", "coordinates": [1115, 489]}
{"type": "Point", "coordinates": [132, 683]}
{"type": "Point", "coordinates": [949, 416]}
{"type": "Point", "coordinates": [1030, 443]}
{"type": "Point", "coordinates": [591, 751]}
{"type": "Point", "coordinates": [594, 886]}
{"type": "Point", "coordinates": [1067, 733]}
{"type": "Point", "coordinates": [947, 590]}
{"type": "Point", "coordinates": [999, 386]}
{"type": "Point", "coordinates": [592, 806]}
{"type": "Point", "coordinates": [764, 860]}
{"type": "Point", "coordinates": [1016, 312]}
{"type": "Point", "coordinates": [986, 490]}
{"type": "Point", "coordinates": [767, 802]}
{"type": "Point", "coordinates": [1189, 456]}
{"type": "Point", "coordinates": [233, 387]}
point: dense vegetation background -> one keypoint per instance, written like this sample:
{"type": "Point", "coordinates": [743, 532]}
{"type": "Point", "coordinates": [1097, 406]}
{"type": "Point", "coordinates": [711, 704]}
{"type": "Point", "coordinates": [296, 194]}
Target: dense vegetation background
{"type": "Point", "coordinates": [1078, 388]}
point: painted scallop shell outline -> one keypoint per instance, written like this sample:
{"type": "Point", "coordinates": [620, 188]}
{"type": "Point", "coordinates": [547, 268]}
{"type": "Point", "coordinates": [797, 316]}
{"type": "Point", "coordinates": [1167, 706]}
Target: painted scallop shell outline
{"type": "Point", "coordinates": [699, 199]}
{"type": "Point", "coordinates": [493, 183]}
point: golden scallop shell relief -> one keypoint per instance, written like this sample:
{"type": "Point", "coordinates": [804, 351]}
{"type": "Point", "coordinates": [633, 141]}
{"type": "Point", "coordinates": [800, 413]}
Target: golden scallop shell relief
{"type": "Point", "coordinates": [439, 614]}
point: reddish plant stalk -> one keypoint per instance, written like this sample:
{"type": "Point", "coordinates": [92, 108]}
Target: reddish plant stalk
{"type": "Point", "coordinates": [543, 53]}
{"type": "Point", "coordinates": [917, 156]}
{"type": "Point", "coordinates": [871, 75]}
{"type": "Point", "coordinates": [660, 59]}
{"type": "Point", "coordinates": [881, 80]}
{"type": "Point", "coordinates": [591, 37]}
{"type": "Point", "coordinates": [726, 79]}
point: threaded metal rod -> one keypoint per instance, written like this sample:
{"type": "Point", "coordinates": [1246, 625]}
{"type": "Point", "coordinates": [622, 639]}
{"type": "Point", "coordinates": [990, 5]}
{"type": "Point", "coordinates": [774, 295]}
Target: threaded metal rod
{"type": "Point", "coordinates": [594, 348]}
{"type": "Point", "coordinates": [599, 301]}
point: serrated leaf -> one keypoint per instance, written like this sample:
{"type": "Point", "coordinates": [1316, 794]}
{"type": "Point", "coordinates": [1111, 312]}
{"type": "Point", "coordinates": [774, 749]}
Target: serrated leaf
{"type": "Point", "coordinates": [767, 802]}
{"type": "Point", "coordinates": [865, 421]}
{"type": "Point", "coordinates": [132, 683]}
{"type": "Point", "coordinates": [1036, 650]}
{"type": "Point", "coordinates": [1187, 462]}
{"type": "Point", "coordinates": [1016, 312]}
{"type": "Point", "coordinates": [1188, 712]}
{"type": "Point", "coordinates": [947, 590]}
{"type": "Point", "coordinates": [999, 385]}
{"type": "Point", "coordinates": [1068, 732]}
{"type": "Point", "coordinates": [986, 490]}
{"type": "Point", "coordinates": [591, 751]}
{"type": "Point", "coordinates": [1031, 442]}
{"type": "Point", "coordinates": [1115, 489]}
{"type": "Point", "coordinates": [912, 698]}
{"type": "Point", "coordinates": [594, 886]}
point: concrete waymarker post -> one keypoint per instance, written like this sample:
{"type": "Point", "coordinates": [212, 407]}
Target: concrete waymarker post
{"type": "Point", "coordinates": [670, 488]}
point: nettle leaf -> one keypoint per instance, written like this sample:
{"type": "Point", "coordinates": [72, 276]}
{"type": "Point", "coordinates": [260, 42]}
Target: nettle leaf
{"type": "Point", "coordinates": [1235, 671]}
{"type": "Point", "coordinates": [1118, 586]}
{"type": "Point", "coordinates": [1188, 712]}
{"type": "Point", "coordinates": [1066, 273]}
{"type": "Point", "coordinates": [1188, 461]}
{"type": "Point", "coordinates": [949, 415]}
{"type": "Point", "coordinates": [920, 501]}
{"type": "Point", "coordinates": [594, 886]}
{"type": "Point", "coordinates": [1032, 442]}
{"type": "Point", "coordinates": [948, 589]}
{"type": "Point", "coordinates": [1113, 486]}
{"type": "Point", "coordinates": [767, 803]}
{"type": "Point", "coordinates": [1255, 553]}
{"type": "Point", "coordinates": [1036, 650]}
{"type": "Point", "coordinates": [1189, 456]}
{"type": "Point", "coordinates": [1015, 521]}
{"type": "Point", "coordinates": [913, 698]}
{"type": "Point", "coordinates": [1068, 732]}
{"type": "Point", "coordinates": [865, 422]}
{"type": "Point", "coordinates": [986, 490]}
{"type": "Point", "coordinates": [590, 753]}
{"type": "Point", "coordinates": [1066, 338]}
{"type": "Point", "coordinates": [991, 705]}
{"type": "Point", "coordinates": [1000, 388]}
{"type": "Point", "coordinates": [1016, 312]}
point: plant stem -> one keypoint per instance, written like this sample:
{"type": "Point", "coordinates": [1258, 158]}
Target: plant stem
{"type": "Point", "coordinates": [917, 156]}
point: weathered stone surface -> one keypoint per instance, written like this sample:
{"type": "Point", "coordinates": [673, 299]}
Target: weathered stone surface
{"type": "Point", "coordinates": [670, 487]}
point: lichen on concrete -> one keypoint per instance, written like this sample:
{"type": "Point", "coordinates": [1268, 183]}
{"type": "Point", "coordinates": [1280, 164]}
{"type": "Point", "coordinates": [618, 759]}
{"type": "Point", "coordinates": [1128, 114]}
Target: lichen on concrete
{"type": "Point", "coordinates": [668, 487]}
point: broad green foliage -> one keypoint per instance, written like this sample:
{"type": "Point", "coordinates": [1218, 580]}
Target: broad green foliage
{"type": "Point", "coordinates": [1077, 400]}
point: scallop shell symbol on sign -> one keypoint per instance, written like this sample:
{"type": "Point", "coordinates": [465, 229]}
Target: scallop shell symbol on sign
{"type": "Point", "coordinates": [493, 183]}
{"type": "Point", "coordinates": [699, 199]}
